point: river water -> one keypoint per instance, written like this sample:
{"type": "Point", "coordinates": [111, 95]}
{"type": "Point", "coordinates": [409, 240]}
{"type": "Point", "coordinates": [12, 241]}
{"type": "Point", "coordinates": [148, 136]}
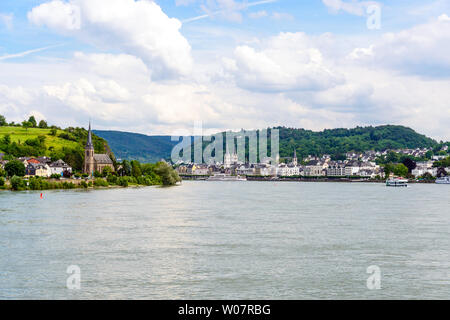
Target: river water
{"type": "Point", "coordinates": [228, 240]}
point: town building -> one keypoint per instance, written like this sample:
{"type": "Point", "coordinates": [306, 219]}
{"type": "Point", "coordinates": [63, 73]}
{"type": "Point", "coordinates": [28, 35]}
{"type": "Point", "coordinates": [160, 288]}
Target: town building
{"type": "Point", "coordinates": [59, 167]}
{"type": "Point", "coordinates": [92, 161]}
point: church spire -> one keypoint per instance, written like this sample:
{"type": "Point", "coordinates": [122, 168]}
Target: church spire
{"type": "Point", "coordinates": [89, 139]}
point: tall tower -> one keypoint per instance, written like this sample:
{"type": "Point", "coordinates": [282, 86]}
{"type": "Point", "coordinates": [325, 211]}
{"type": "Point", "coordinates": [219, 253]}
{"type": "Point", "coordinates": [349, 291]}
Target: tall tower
{"type": "Point", "coordinates": [89, 154]}
{"type": "Point", "coordinates": [294, 160]}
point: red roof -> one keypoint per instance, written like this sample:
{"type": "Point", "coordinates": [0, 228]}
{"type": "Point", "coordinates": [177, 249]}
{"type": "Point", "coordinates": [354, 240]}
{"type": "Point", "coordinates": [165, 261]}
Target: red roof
{"type": "Point", "coordinates": [33, 161]}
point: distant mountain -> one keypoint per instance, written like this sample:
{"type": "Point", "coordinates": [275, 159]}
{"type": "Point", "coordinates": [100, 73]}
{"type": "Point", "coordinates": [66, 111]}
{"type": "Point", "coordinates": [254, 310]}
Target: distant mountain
{"type": "Point", "coordinates": [135, 146]}
{"type": "Point", "coordinates": [126, 145]}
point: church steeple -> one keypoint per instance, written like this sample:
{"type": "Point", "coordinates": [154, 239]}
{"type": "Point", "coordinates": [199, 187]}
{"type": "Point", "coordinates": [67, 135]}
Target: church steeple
{"type": "Point", "coordinates": [89, 139]}
{"type": "Point", "coordinates": [89, 165]}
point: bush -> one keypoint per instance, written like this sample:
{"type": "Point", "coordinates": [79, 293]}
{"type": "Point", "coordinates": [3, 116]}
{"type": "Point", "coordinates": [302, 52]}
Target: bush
{"type": "Point", "coordinates": [83, 184]}
{"type": "Point", "coordinates": [35, 183]}
{"type": "Point", "coordinates": [17, 183]}
{"type": "Point", "coordinates": [2, 182]}
{"type": "Point", "coordinates": [68, 185]}
{"type": "Point", "coordinates": [106, 171]}
{"type": "Point", "coordinates": [111, 179]}
{"type": "Point", "coordinates": [123, 182]}
{"type": "Point", "coordinates": [55, 176]}
{"type": "Point", "coordinates": [97, 174]}
{"type": "Point", "coordinates": [100, 183]}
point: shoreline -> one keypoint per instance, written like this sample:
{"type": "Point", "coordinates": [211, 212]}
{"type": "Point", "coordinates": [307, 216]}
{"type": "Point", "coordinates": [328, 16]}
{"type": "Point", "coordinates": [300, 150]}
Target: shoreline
{"type": "Point", "coordinates": [303, 179]}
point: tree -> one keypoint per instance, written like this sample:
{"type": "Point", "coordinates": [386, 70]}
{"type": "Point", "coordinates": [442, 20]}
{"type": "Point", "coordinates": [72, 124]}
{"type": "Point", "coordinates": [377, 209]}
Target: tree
{"type": "Point", "coordinates": [43, 124]}
{"type": "Point", "coordinates": [53, 132]}
{"type": "Point", "coordinates": [16, 183]}
{"type": "Point", "coordinates": [3, 121]}
{"type": "Point", "coordinates": [106, 171]}
{"type": "Point", "coordinates": [126, 168]}
{"type": "Point", "coordinates": [410, 164]}
{"type": "Point", "coordinates": [401, 170]}
{"type": "Point", "coordinates": [388, 169]}
{"type": "Point", "coordinates": [15, 168]}
{"type": "Point", "coordinates": [32, 121]}
{"type": "Point", "coordinates": [2, 173]}
{"type": "Point", "coordinates": [168, 175]}
{"type": "Point", "coordinates": [26, 125]}
{"type": "Point", "coordinates": [136, 170]}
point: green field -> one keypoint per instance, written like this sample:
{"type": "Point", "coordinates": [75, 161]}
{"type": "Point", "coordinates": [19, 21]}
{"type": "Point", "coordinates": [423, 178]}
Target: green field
{"type": "Point", "coordinates": [19, 134]}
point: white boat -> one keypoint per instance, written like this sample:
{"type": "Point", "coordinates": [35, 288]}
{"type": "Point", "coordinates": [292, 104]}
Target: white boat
{"type": "Point", "coordinates": [397, 182]}
{"type": "Point", "coordinates": [443, 180]}
{"type": "Point", "coordinates": [226, 177]}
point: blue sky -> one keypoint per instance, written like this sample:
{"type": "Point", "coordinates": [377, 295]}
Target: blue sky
{"type": "Point", "coordinates": [156, 67]}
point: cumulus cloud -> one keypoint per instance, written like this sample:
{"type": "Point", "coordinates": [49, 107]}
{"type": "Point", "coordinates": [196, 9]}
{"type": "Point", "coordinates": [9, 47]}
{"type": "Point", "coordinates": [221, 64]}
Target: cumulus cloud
{"type": "Point", "coordinates": [287, 62]}
{"type": "Point", "coordinates": [422, 50]}
{"type": "Point", "coordinates": [138, 28]}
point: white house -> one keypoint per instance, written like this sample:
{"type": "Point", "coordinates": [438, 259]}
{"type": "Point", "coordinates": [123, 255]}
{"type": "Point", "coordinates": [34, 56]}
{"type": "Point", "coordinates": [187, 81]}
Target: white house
{"type": "Point", "coordinates": [58, 167]}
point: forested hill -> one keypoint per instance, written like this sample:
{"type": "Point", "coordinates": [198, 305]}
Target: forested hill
{"type": "Point", "coordinates": [135, 146]}
{"type": "Point", "coordinates": [128, 145]}
{"type": "Point", "coordinates": [339, 141]}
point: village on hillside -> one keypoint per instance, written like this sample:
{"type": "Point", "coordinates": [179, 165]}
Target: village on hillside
{"type": "Point", "coordinates": [357, 165]}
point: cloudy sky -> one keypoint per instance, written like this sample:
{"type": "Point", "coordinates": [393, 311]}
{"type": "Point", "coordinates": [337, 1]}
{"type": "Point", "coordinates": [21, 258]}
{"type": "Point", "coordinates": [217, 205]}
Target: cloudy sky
{"type": "Point", "coordinates": [156, 67]}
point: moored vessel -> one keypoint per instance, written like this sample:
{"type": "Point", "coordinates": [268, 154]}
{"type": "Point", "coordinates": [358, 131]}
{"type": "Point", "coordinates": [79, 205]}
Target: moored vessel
{"type": "Point", "coordinates": [226, 177]}
{"type": "Point", "coordinates": [397, 182]}
{"type": "Point", "coordinates": [443, 180]}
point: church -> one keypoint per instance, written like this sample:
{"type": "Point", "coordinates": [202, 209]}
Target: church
{"type": "Point", "coordinates": [92, 161]}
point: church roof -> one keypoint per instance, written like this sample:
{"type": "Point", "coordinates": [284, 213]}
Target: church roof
{"type": "Point", "coordinates": [102, 158]}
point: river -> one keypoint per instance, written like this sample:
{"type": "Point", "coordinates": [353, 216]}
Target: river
{"type": "Point", "coordinates": [228, 240]}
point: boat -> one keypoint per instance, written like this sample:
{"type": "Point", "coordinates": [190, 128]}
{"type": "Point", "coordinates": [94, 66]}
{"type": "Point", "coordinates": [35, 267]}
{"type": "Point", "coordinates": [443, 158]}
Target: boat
{"type": "Point", "coordinates": [443, 180]}
{"type": "Point", "coordinates": [397, 182]}
{"type": "Point", "coordinates": [226, 177]}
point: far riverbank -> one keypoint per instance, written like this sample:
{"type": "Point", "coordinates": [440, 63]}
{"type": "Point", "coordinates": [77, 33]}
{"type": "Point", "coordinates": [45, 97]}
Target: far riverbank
{"type": "Point", "coordinates": [301, 179]}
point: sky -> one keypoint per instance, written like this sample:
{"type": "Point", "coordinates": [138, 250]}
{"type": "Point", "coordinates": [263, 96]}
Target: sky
{"type": "Point", "coordinates": [158, 67]}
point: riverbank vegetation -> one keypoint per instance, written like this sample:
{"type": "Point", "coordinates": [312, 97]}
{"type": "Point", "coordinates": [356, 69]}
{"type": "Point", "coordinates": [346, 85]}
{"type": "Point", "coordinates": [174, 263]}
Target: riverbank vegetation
{"type": "Point", "coordinates": [157, 174]}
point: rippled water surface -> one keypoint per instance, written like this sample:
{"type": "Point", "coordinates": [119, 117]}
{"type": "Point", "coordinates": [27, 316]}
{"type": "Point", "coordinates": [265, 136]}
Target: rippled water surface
{"type": "Point", "coordinates": [228, 240]}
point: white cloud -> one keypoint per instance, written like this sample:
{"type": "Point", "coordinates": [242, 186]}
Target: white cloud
{"type": "Point", "coordinates": [287, 62]}
{"type": "Point", "coordinates": [423, 49]}
{"type": "Point", "coordinates": [258, 14]}
{"type": "Point", "coordinates": [139, 28]}
{"type": "Point", "coordinates": [7, 20]}
{"type": "Point", "coordinates": [282, 16]}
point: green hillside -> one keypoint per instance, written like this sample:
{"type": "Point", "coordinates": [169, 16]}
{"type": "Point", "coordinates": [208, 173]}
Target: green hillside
{"type": "Point", "coordinates": [335, 142]}
{"type": "Point", "coordinates": [135, 146]}
{"type": "Point", "coordinates": [338, 141]}
{"type": "Point", "coordinates": [67, 144]}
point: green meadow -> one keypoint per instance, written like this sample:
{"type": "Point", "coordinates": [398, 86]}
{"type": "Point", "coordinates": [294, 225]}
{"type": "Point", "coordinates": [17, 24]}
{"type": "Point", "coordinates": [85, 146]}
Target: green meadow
{"type": "Point", "coordinates": [20, 135]}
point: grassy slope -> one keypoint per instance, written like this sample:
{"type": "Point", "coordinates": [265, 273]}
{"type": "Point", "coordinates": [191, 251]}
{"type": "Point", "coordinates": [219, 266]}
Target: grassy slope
{"type": "Point", "coordinates": [20, 134]}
